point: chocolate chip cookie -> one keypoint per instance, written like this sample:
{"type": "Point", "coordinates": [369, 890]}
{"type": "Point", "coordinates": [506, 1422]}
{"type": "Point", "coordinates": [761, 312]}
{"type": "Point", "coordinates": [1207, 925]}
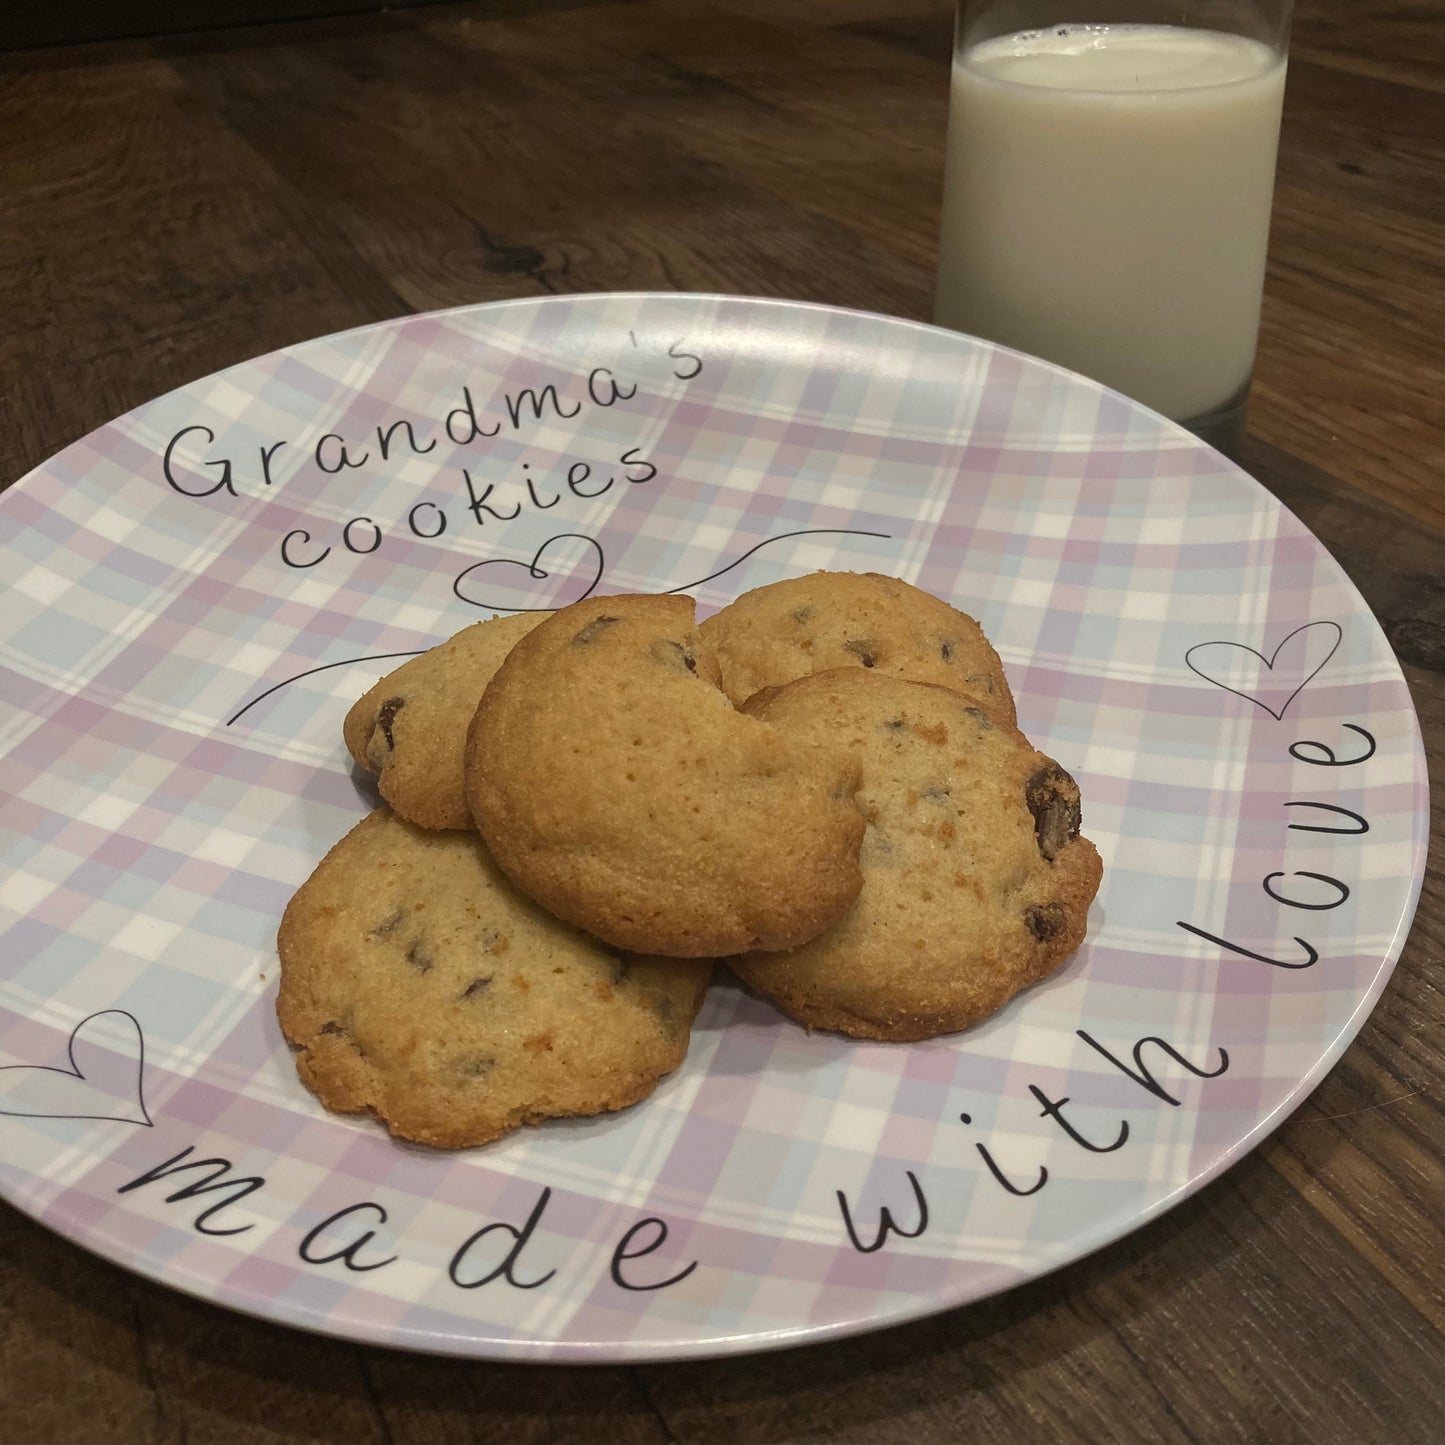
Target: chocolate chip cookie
{"type": "Point", "coordinates": [617, 786]}
{"type": "Point", "coordinates": [417, 983]}
{"type": "Point", "coordinates": [976, 882]}
{"type": "Point", "coordinates": [774, 634]}
{"type": "Point", "coordinates": [411, 728]}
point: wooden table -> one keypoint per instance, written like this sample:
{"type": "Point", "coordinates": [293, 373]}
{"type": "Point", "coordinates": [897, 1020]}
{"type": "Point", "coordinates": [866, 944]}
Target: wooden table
{"type": "Point", "coordinates": [171, 206]}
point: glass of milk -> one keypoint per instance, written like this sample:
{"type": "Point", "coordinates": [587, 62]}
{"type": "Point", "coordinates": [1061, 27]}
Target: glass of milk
{"type": "Point", "coordinates": [1108, 189]}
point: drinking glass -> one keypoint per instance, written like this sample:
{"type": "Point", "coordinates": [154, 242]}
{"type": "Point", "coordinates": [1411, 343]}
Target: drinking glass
{"type": "Point", "coordinates": [1108, 189]}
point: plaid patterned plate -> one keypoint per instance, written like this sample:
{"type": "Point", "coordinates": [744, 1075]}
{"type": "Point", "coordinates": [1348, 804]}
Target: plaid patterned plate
{"type": "Point", "coordinates": [195, 593]}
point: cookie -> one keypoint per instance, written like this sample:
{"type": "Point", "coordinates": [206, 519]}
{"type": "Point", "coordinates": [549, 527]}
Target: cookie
{"type": "Point", "coordinates": [417, 983]}
{"type": "Point", "coordinates": [411, 728]}
{"type": "Point", "coordinates": [976, 882]}
{"type": "Point", "coordinates": [775, 634]}
{"type": "Point", "coordinates": [617, 786]}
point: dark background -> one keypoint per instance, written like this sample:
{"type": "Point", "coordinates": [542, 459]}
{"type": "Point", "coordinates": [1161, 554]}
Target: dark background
{"type": "Point", "coordinates": [42, 22]}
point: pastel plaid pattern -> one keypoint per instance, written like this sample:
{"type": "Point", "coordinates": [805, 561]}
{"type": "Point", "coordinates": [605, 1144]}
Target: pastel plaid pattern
{"type": "Point", "coordinates": [148, 844]}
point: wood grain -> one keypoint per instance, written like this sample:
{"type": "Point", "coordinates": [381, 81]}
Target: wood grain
{"type": "Point", "coordinates": [178, 204]}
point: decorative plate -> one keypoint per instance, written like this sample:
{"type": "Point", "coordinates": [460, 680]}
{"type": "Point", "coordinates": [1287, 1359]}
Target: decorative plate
{"type": "Point", "coordinates": [194, 594]}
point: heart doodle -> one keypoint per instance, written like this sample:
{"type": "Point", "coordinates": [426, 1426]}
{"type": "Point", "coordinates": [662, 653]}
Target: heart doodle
{"type": "Point", "coordinates": [1253, 676]}
{"type": "Point", "coordinates": [105, 1079]}
{"type": "Point", "coordinates": [509, 582]}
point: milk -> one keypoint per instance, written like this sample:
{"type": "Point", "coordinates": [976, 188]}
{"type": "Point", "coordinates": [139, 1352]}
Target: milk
{"type": "Point", "coordinates": [1106, 204]}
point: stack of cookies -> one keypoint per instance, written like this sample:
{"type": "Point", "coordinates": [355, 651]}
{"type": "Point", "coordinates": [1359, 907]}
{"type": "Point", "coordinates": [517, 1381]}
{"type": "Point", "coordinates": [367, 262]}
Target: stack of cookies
{"type": "Point", "coordinates": [823, 785]}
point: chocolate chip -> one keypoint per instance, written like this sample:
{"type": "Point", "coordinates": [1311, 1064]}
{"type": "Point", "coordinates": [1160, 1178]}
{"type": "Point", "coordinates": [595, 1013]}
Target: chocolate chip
{"type": "Point", "coordinates": [666, 1011]}
{"type": "Point", "coordinates": [936, 794]}
{"type": "Point", "coordinates": [477, 986]}
{"type": "Point", "coordinates": [979, 716]}
{"type": "Point", "coordinates": [332, 1027]}
{"type": "Point", "coordinates": [863, 651]}
{"type": "Point", "coordinates": [385, 716]}
{"type": "Point", "coordinates": [946, 650]}
{"type": "Point", "coordinates": [1053, 799]}
{"type": "Point", "coordinates": [1046, 920]}
{"type": "Point", "coordinates": [803, 614]}
{"type": "Point", "coordinates": [388, 925]}
{"type": "Point", "coordinates": [895, 724]}
{"type": "Point", "coordinates": [674, 654]}
{"type": "Point", "coordinates": [593, 630]}
{"type": "Point", "coordinates": [419, 956]}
